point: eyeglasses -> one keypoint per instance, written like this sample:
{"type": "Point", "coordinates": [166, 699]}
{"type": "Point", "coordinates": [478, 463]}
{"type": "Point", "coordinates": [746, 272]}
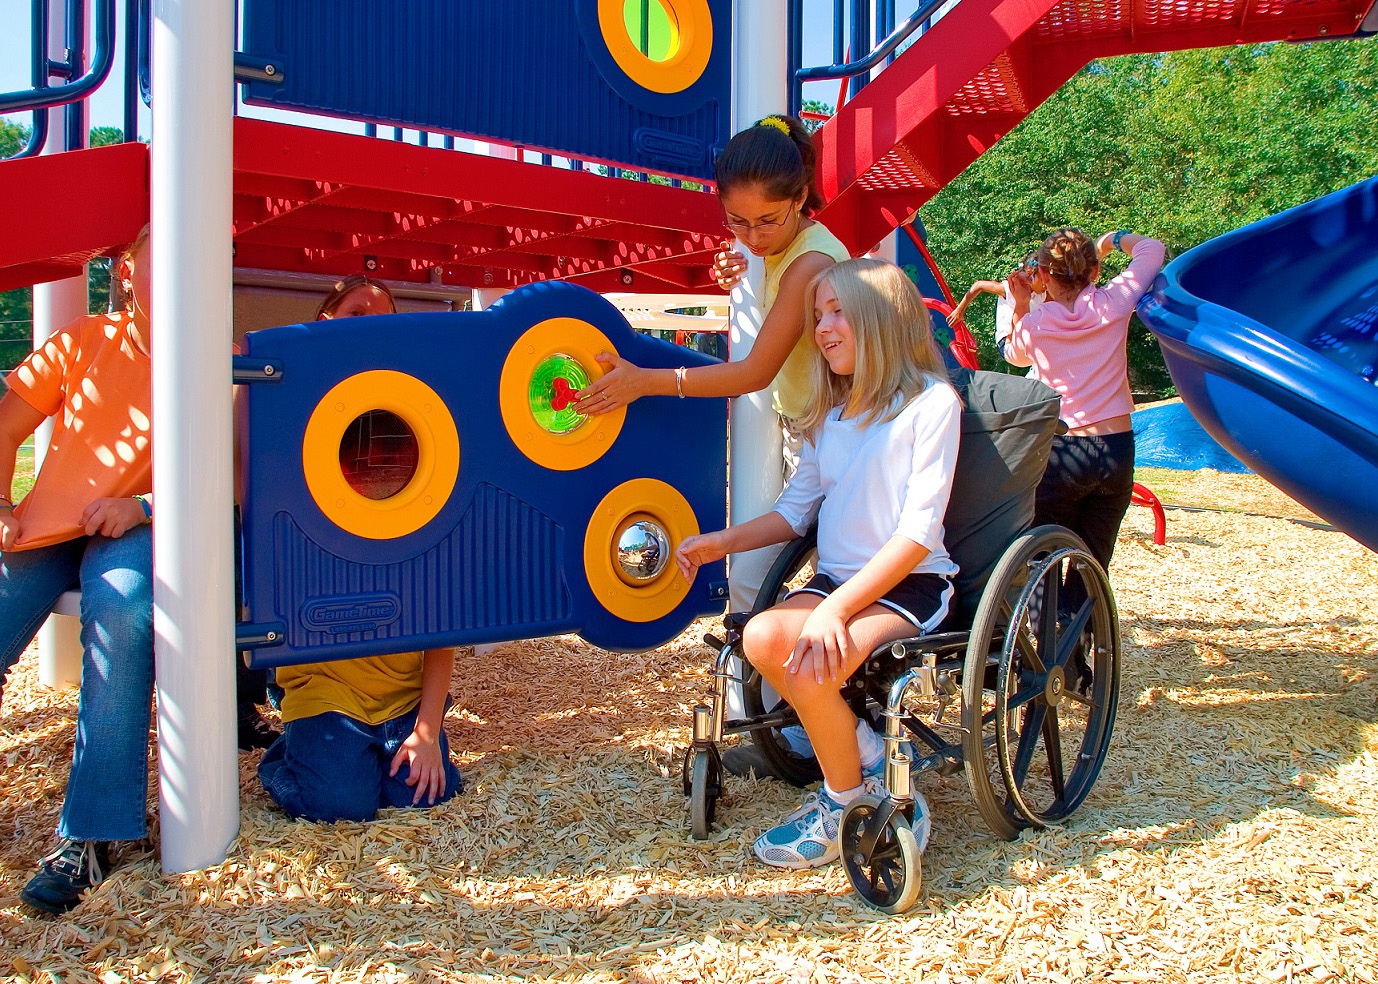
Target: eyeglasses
{"type": "Point", "coordinates": [769, 225]}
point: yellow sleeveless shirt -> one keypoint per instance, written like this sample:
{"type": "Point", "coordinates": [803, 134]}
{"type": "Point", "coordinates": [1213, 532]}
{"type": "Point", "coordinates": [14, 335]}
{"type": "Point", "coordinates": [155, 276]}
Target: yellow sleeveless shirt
{"type": "Point", "coordinates": [791, 385]}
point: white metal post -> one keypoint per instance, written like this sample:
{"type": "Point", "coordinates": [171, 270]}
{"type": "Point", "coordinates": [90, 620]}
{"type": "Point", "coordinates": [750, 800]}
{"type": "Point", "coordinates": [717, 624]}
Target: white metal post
{"type": "Point", "coordinates": [55, 305]}
{"type": "Point", "coordinates": [760, 64]}
{"type": "Point", "coordinates": [193, 559]}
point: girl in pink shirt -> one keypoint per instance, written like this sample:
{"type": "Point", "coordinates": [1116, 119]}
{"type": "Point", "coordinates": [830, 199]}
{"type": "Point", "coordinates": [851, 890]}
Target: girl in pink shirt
{"type": "Point", "coordinates": [1075, 342]}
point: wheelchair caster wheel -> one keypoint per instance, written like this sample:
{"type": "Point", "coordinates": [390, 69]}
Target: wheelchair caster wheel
{"type": "Point", "coordinates": [881, 854]}
{"type": "Point", "coordinates": [704, 774]}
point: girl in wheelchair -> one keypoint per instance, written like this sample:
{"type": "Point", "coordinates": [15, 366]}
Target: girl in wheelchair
{"type": "Point", "coordinates": [881, 431]}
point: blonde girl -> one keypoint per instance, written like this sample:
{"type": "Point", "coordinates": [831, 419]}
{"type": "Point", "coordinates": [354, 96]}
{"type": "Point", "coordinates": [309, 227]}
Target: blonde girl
{"type": "Point", "coordinates": [881, 431]}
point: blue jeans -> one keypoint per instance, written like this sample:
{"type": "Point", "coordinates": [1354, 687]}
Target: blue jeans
{"type": "Point", "coordinates": [333, 767]}
{"type": "Point", "coordinates": [107, 790]}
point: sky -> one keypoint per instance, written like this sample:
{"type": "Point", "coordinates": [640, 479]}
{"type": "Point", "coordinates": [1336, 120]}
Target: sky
{"type": "Point", "coordinates": [106, 106]}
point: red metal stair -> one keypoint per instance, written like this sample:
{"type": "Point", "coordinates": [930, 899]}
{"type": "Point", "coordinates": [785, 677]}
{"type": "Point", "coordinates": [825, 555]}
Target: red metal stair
{"type": "Point", "coordinates": [988, 63]}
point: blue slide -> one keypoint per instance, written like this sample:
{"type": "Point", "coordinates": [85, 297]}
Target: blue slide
{"type": "Point", "coordinates": [1271, 335]}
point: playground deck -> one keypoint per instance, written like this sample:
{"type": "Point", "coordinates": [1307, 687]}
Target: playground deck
{"type": "Point", "coordinates": [1232, 845]}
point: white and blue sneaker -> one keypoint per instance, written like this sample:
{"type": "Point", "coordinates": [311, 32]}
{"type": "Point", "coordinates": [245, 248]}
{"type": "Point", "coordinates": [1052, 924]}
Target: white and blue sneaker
{"type": "Point", "coordinates": [807, 838]}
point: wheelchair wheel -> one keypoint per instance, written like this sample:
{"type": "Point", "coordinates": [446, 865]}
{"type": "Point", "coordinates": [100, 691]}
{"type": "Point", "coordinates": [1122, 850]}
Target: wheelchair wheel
{"type": "Point", "coordinates": [881, 854]}
{"type": "Point", "coordinates": [704, 785]}
{"type": "Point", "coordinates": [1040, 682]}
{"type": "Point", "coordinates": [758, 698]}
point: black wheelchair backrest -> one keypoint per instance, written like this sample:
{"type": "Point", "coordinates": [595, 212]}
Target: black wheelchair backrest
{"type": "Point", "coordinates": [1007, 433]}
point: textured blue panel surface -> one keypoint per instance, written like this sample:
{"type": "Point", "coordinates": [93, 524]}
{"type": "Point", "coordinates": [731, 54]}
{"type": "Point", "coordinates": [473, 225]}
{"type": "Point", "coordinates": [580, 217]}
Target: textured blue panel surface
{"type": "Point", "coordinates": [532, 72]}
{"type": "Point", "coordinates": [1269, 333]}
{"type": "Point", "coordinates": [503, 558]}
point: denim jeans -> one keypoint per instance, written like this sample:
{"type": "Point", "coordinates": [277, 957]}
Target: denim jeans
{"type": "Point", "coordinates": [332, 767]}
{"type": "Point", "coordinates": [107, 790]}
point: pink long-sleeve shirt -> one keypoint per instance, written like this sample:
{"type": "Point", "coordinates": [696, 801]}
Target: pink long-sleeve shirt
{"type": "Point", "coordinates": [1080, 350]}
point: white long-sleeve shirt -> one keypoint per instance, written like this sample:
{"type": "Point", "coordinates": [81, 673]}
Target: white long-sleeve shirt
{"type": "Point", "coordinates": [866, 484]}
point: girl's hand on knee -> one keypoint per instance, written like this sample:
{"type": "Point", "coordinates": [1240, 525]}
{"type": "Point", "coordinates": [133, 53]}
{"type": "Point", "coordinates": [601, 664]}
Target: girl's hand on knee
{"type": "Point", "coordinates": [112, 517]}
{"type": "Point", "coordinates": [427, 763]}
{"type": "Point", "coordinates": [823, 646]}
{"type": "Point", "coordinates": [695, 551]}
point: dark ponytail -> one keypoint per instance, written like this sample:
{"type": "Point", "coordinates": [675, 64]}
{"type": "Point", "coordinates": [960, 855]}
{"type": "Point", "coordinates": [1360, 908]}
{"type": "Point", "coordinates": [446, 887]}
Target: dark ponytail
{"type": "Point", "coordinates": [777, 153]}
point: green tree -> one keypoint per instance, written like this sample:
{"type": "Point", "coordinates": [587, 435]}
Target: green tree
{"type": "Point", "coordinates": [1184, 146]}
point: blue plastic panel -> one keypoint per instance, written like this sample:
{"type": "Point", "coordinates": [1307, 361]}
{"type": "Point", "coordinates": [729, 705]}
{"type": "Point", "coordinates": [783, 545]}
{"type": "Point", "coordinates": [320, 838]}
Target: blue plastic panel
{"type": "Point", "coordinates": [532, 72]}
{"type": "Point", "coordinates": [1271, 335]}
{"type": "Point", "coordinates": [503, 557]}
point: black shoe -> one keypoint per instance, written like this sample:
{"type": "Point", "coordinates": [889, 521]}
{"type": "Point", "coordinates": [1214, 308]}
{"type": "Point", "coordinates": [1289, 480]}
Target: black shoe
{"type": "Point", "coordinates": [746, 760]}
{"type": "Point", "coordinates": [65, 874]}
{"type": "Point", "coordinates": [254, 730]}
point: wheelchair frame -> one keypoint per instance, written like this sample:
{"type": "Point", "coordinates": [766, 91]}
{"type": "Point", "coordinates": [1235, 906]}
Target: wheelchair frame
{"type": "Point", "coordinates": [1020, 677]}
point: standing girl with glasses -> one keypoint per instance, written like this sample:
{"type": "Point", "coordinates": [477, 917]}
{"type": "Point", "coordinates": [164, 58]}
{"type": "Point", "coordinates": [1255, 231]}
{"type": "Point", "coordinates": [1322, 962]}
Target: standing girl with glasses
{"type": "Point", "coordinates": [765, 179]}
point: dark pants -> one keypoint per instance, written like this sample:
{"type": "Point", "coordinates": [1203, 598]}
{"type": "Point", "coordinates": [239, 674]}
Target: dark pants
{"type": "Point", "coordinates": [1087, 487]}
{"type": "Point", "coordinates": [331, 767]}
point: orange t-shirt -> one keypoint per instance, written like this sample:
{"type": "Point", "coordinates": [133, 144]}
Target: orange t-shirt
{"type": "Point", "coordinates": [101, 381]}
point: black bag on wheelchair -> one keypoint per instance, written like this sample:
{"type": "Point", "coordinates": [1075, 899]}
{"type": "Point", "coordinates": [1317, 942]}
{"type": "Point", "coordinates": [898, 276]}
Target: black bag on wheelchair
{"type": "Point", "coordinates": [1007, 432]}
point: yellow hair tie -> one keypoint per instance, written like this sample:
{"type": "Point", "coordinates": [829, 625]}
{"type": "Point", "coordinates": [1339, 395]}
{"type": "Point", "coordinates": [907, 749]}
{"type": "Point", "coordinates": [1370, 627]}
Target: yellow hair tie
{"type": "Point", "coordinates": [777, 122]}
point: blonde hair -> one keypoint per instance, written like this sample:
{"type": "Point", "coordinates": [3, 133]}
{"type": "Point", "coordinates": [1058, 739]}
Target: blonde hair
{"type": "Point", "coordinates": [1069, 257]}
{"type": "Point", "coordinates": [896, 355]}
{"type": "Point", "coordinates": [120, 299]}
{"type": "Point", "coordinates": [343, 288]}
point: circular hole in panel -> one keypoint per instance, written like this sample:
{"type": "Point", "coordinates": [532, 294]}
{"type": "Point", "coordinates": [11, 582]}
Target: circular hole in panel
{"type": "Point", "coordinates": [378, 454]}
{"type": "Point", "coordinates": [555, 384]}
{"type": "Point", "coordinates": [652, 28]}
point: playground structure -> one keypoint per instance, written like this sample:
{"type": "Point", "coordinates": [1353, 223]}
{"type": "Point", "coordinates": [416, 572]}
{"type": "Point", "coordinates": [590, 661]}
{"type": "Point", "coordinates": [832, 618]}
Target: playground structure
{"type": "Point", "coordinates": [304, 201]}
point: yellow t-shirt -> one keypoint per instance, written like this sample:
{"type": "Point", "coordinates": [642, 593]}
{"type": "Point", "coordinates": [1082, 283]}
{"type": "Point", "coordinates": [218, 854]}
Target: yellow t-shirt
{"type": "Point", "coordinates": [371, 689]}
{"type": "Point", "coordinates": [791, 386]}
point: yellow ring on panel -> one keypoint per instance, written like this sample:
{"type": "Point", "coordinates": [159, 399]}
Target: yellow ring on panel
{"type": "Point", "coordinates": [641, 499]}
{"type": "Point", "coordinates": [544, 344]}
{"type": "Point", "coordinates": [437, 458]}
{"type": "Point", "coordinates": [691, 44]}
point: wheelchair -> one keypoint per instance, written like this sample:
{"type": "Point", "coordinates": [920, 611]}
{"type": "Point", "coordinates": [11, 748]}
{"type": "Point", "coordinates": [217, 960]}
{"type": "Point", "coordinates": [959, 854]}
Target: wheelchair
{"type": "Point", "coordinates": [1018, 689]}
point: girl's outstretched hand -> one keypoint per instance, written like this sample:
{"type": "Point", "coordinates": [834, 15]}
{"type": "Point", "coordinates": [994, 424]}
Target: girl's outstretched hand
{"type": "Point", "coordinates": [695, 551]}
{"type": "Point", "coordinates": [728, 267]}
{"type": "Point", "coordinates": [823, 646]}
{"type": "Point", "coordinates": [620, 385]}
{"type": "Point", "coordinates": [112, 517]}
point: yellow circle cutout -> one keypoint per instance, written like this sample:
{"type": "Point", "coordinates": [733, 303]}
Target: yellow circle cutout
{"type": "Point", "coordinates": [437, 465]}
{"type": "Point", "coordinates": [690, 44]}
{"type": "Point", "coordinates": [640, 498]}
{"type": "Point", "coordinates": [576, 340]}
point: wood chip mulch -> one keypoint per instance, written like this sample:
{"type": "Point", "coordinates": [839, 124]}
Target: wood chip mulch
{"type": "Point", "coordinates": [1232, 835]}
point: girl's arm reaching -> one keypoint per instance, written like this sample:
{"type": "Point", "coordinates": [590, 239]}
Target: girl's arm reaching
{"type": "Point", "coordinates": [695, 551]}
{"type": "Point", "coordinates": [625, 382]}
{"type": "Point", "coordinates": [975, 291]}
{"type": "Point", "coordinates": [422, 747]}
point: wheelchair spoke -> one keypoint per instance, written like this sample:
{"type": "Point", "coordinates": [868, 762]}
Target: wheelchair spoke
{"type": "Point", "coordinates": [1071, 633]}
{"type": "Point", "coordinates": [1052, 741]}
{"type": "Point", "coordinates": [1028, 740]}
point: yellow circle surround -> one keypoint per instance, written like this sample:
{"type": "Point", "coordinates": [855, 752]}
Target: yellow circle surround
{"type": "Point", "coordinates": [437, 466]}
{"type": "Point", "coordinates": [640, 498]}
{"type": "Point", "coordinates": [581, 342]}
{"type": "Point", "coordinates": [691, 24]}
